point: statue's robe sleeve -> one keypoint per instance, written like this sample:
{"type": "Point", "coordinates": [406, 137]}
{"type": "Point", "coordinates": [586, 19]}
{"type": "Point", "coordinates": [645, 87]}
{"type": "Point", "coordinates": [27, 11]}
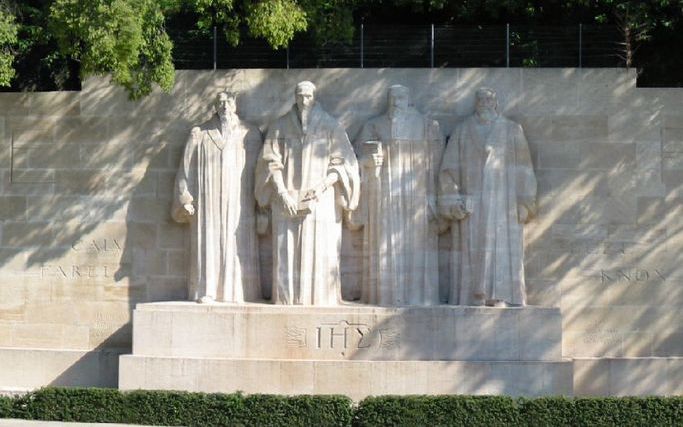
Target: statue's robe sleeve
{"type": "Point", "coordinates": [449, 185]}
{"type": "Point", "coordinates": [358, 218]}
{"type": "Point", "coordinates": [186, 181]}
{"type": "Point", "coordinates": [270, 162]}
{"type": "Point", "coordinates": [343, 161]}
{"type": "Point", "coordinates": [525, 178]}
{"type": "Point", "coordinates": [436, 144]}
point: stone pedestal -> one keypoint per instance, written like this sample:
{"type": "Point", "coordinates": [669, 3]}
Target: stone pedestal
{"type": "Point", "coordinates": [351, 349]}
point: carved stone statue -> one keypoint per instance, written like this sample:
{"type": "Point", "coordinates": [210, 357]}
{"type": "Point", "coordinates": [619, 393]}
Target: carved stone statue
{"type": "Point", "coordinates": [214, 192]}
{"type": "Point", "coordinates": [308, 175]}
{"type": "Point", "coordinates": [400, 153]}
{"type": "Point", "coordinates": [487, 182]}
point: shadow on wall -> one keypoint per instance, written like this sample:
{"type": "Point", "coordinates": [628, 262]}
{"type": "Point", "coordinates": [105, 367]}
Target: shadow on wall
{"type": "Point", "coordinates": [609, 233]}
{"type": "Point", "coordinates": [87, 184]}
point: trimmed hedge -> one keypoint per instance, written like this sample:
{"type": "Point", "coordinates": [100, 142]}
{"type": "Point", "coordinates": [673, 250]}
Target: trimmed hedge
{"type": "Point", "coordinates": [200, 409]}
{"type": "Point", "coordinates": [502, 411]}
{"type": "Point", "coordinates": [603, 411]}
{"type": "Point", "coordinates": [437, 411]}
{"type": "Point", "coordinates": [5, 406]}
{"type": "Point", "coordinates": [180, 408]}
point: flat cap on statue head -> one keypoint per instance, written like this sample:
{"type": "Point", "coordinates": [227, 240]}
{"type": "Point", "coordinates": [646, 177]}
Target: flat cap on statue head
{"type": "Point", "coordinates": [305, 87]}
{"type": "Point", "coordinates": [227, 93]}
{"type": "Point", "coordinates": [399, 89]}
{"type": "Point", "coordinates": [486, 92]}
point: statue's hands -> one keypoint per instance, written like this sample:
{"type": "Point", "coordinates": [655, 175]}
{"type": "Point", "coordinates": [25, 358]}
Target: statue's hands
{"type": "Point", "coordinates": [188, 209]}
{"type": "Point", "coordinates": [288, 203]}
{"type": "Point", "coordinates": [460, 211]}
{"type": "Point", "coordinates": [315, 192]}
{"type": "Point", "coordinates": [523, 214]}
{"type": "Point", "coordinates": [454, 207]}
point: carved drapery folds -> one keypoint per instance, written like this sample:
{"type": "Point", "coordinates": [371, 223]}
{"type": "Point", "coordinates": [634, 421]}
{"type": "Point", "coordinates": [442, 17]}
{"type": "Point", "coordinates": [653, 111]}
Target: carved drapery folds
{"type": "Point", "coordinates": [487, 184]}
{"type": "Point", "coordinates": [399, 183]}
{"type": "Point", "coordinates": [214, 193]}
{"type": "Point", "coordinates": [307, 175]}
{"type": "Point", "coordinates": [400, 152]}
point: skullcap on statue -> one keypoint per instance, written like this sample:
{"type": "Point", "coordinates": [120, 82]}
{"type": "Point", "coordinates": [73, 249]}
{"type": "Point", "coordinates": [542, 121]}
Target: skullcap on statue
{"type": "Point", "coordinates": [305, 87]}
{"type": "Point", "coordinates": [227, 93]}
{"type": "Point", "coordinates": [398, 89]}
{"type": "Point", "coordinates": [486, 91]}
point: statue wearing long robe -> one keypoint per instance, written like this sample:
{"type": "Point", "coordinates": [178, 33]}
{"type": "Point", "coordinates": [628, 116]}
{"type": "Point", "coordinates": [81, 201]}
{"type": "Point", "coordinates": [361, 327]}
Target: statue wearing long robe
{"type": "Point", "coordinates": [306, 247]}
{"type": "Point", "coordinates": [398, 208]}
{"type": "Point", "coordinates": [487, 167]}
{"type": "Point", "coordinates": [216, 176]}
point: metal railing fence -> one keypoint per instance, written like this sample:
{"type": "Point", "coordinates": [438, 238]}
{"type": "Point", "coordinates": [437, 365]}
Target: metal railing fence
{"type": "Point", "coordinates": [375, 46]}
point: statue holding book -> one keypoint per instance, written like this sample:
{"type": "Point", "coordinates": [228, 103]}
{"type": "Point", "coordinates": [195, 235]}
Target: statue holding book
{"type": "Point", "coordinates": [400, 153]}
{"type": "Point", "coordinates": [308, 175]}
{"type": "Point", "coordinates": [487, 187]}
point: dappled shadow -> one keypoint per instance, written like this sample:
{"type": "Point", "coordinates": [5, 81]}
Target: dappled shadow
{"type": "Point", "coordinates": [605, 244]}
{"type": "Point", "coordinates": [87, 183]}
{"type": "Point", "coordinates": [465, 350]}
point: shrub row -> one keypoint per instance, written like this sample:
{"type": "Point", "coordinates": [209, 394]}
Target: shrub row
{"type": "Point", "coordinates": [177, 408]}
{"type": "Point", "coordinates": [505, 411]}
{"type": "Point", "coordinates": [199, 409]}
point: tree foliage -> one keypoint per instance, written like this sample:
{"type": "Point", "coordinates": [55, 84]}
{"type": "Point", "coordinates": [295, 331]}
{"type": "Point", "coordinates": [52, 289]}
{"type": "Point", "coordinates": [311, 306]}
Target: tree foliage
{"type": "Point", "coordinates": [8, 39]}
{"type": "Point", "coordinates": [277, 21]}
{"type": "Point", "coordinates": [638, 20]}
{"type": "Point", "coordinates": [59, 40]}
{"type": "Point", "coordinates": [123, 37]}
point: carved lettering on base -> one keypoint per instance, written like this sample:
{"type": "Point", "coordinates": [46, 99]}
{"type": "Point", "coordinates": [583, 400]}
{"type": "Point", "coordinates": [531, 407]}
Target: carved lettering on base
{"type": "Point", "coordinates": [342, 336]}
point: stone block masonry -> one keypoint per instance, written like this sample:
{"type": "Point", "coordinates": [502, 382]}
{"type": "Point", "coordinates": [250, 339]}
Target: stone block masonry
{"type": "Point", "coordinates": [86, 233]}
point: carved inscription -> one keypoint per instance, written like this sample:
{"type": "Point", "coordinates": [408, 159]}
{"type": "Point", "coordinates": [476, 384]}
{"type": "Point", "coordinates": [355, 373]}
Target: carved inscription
{"type": "Point", "coordinates": [610, 337]}
{"type": "Point", "coordinates": [104, 249]}
{"type": "Point", "coordinates": [76, 272]}
{"type": "Point", "coordinates": [107, 324]}
{"type": "Point", "coordinates": [342, 336]}
{"type": "Point", "coordinates": [97, 245]}
{"type": "Point", "coordinates": [630, 275]}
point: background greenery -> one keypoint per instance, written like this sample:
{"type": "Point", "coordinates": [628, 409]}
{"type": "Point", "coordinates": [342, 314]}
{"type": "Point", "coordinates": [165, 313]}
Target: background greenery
{"type": "Point", "coordinates": [52, 44]}
{"type": "Point", "coordinates": [199, 409]}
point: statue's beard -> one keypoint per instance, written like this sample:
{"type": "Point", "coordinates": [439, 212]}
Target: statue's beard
{"type": "Point", "coordinates": [487, 115]}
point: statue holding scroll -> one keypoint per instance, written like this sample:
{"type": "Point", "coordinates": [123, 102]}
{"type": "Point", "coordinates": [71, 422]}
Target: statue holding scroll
{"type": "Point", "coordinates": [487, 182]}
{"type": "Point", "coordinates": [400, 153]}
{"type": "Point", "coordinates": [308, 175]}
{"type": "Point", "coordinates": [214, 193]}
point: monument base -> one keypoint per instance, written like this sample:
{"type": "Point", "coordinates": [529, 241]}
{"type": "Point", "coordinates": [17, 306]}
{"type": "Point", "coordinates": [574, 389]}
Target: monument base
{"type": "Point", "coordinates": [356, 379]}
{"type": "Point", "coordinates": [351, 349]}
{"type": "Point", "coordinates": [347, 332]}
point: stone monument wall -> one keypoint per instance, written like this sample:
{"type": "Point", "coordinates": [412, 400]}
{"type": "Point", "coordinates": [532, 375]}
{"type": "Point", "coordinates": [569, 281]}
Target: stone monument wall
{"type": "Point", "coordinates": [86, 233]}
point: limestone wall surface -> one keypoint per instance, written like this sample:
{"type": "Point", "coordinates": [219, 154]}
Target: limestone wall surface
{"type": "Point", "coordinates": [86, 183]}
